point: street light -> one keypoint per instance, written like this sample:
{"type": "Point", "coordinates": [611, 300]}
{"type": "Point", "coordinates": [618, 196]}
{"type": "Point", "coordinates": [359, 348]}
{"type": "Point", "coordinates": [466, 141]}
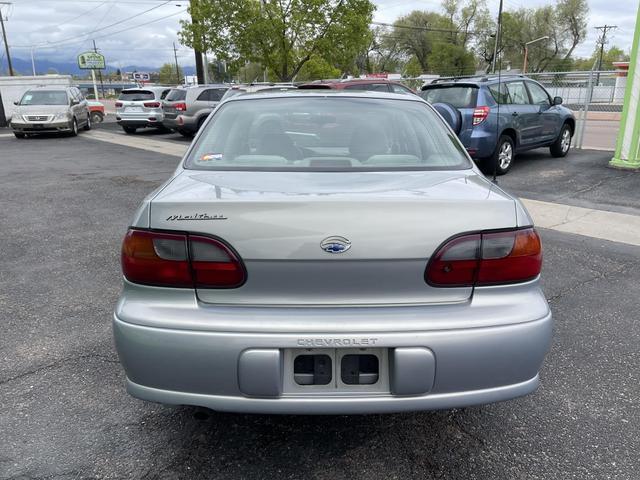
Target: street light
{"type": "Point", "coordinates": [526, 51]}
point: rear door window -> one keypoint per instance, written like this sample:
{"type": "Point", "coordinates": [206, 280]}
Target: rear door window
{"type": "Point", "coordinates": [500, 93]}
{"type": "Point", "coordinates": [518, 93]}
{"type": "Point", "coordinates": [203, 97]}
{"type": "Point", "coordinates": [216, 94]}
{"type": "Point", "coordinates": [136, 95]}
{"type": "Point", "coordinates": [164, 94]}
{"type": "Point", "coordinates": [460, 96]}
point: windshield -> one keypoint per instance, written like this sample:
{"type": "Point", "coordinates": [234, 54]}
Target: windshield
{"type": "Point", "coordinates": [45, 97]}
{"type": "Point", "coordinates": [136, 95]}
{"type": "Point", "coordinates": [319, 133]}
{"type": "Point", "coordinates": [458, 96]}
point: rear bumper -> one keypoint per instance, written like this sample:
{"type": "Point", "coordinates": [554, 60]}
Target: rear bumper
{"type": "Point", "coordinates": [181, 122]}
{"type": "Point", "coordinates": [140, 120]}
{"type": "Point", "coordinates": [200, 366]}
{"type": "Point", "coordinates": [479, 142]}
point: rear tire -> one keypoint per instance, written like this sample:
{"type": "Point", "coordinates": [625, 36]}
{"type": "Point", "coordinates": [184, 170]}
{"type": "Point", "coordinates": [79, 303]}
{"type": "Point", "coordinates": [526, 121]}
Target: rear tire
{"type": "Point", "coordinates": [185, 133]}
{"type": "Point", "coordinates": [19, 135]}
{"type": "Point", "coordinates": [129, 130]}
{"type": "Point", "coordinates": [502, 159]}
{"type": "Point", "coordinates": [200, 122]}
{"type": "Point", "coordinates": [96, 117]}
{"type": "Point", "coordinates": [562, 145]}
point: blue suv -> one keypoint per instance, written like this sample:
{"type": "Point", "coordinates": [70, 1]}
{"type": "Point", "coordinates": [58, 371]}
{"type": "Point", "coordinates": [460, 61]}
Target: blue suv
{"type": "Point", "coordinates": [528, 117]}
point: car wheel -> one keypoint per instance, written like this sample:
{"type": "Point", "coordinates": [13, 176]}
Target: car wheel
{"type": "Point", "coordinates": [562, 145]}
{"type": "Point", "coordinates": [185, 133]}
{"type": "Point", "coordinates": [19, 134]}
{"type": "Point", "coordinates": [129, 130]}
{"type": "Point", "coordinates": [200, 122]}
{"type": "Point", "coordinates": [96, 117]}
{"type": "Point", "coordinates": [502, 159]}
{"type": "Point", "coordinates": [87, 127]}
{"type": "Point", "coordinates": [74, 128]}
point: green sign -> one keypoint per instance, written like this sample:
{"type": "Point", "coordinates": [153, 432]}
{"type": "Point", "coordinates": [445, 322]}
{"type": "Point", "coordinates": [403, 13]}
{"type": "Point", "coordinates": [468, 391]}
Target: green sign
{"type": "Point", "coordinates": [91, 61]}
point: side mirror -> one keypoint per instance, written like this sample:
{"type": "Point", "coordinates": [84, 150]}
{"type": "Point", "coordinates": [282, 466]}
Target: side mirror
{"type": "Point", "coordinates": [74, 102]}
{"type": "Point", "coordinates": [16, 103]}
{"type": "Point", "coordinates": [557, 100]}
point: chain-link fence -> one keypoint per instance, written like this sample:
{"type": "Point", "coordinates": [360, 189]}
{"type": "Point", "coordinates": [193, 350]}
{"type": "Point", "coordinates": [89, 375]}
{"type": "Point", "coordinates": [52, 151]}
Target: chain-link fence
{"type": "Point", "coordinates": [595, 97]}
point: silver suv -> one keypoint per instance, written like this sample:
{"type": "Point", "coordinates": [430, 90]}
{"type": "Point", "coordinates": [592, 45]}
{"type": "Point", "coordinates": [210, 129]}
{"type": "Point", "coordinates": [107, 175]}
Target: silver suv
{"type": "Point", "coordinates": [186, 109]}
{"type": "Point", "coordinates": [50, 110]}
{"type": "Point", "coordinates": [141, 108]}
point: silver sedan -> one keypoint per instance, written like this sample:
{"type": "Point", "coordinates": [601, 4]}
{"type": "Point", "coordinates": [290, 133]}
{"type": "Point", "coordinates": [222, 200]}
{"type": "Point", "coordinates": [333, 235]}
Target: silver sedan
{"type": "Point", "coordinates": [330, 253]}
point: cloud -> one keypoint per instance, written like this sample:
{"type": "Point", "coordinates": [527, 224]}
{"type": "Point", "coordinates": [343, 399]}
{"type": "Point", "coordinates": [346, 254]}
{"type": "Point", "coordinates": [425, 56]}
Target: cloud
{"type": "Point", "coordinates": [61, 29]}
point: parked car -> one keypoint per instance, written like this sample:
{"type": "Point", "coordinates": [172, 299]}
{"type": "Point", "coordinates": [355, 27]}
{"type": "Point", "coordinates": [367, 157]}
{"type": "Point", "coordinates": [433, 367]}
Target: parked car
{"type": "Point", "coordinates": [141, 108]}
{"type": "Point", "coordinates": [96, 111]}
{"type": "Point", "coordinates": [330, 252]}
{"type": "Point", "coordinates": [50, 110]}
{"type": "Point", "coordinates": [368, 84]}
{"type": "Point", "coordinates": [528, 117]}
{"type": "Point", "coordinates": [258, 87]}
{"type": "Point", "coordinates": [186, 109]}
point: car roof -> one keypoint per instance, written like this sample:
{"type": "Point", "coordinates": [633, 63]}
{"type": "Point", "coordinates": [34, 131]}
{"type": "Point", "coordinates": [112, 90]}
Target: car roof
{"type": "Point", "coordinates": [476, 80]}
{"type": "Point", "coordinates": [325, 93]}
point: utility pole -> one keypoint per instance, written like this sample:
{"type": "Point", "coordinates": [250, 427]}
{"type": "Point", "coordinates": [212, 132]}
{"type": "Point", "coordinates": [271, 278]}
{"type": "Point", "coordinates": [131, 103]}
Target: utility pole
{"type": "Point", "coordinates": [498, 32]}
{"type": "Point", "coordinates": [175, 56]}
{"type": "Point", "coordinates": [95, 49]}
{"type": "Point", "coordinates": [198, 54]}
{"type": "Point", "coordinates": [602, 41]}
{"type": "Point", "coordinates": [4, 37]}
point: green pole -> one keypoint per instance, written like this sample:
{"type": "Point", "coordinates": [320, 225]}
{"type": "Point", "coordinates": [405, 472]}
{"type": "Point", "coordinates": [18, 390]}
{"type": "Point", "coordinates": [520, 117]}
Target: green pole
{"type": "Point", "coordinates": [628, 146]}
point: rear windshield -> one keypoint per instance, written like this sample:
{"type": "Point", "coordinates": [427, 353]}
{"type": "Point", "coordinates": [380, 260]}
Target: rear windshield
{"type": "Point", "coordinates": [176, 94]}
{"type": "Point", "coordinates": [326, 134]}
{"type": "Point", "coordinates": [458, 96]}
{"type": "Point", "coordinates": [134, 95]}
{"type": "Point", "coordinates": [45, 97]}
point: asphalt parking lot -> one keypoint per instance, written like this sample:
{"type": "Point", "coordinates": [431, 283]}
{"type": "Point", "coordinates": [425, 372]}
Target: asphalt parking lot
{"type": "Point", "coordinates": [64, 414]}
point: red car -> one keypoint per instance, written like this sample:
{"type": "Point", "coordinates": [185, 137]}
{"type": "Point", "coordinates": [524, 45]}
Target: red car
{"type": "Point", "coordinates": [96, 110]}
{"type": "Point", "coordinates": [370, 84]}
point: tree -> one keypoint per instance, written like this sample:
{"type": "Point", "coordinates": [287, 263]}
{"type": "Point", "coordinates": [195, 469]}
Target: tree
{"type": "Point", "coordinates": [613, 54]}
{"type": "Point", "coordinates": [282, 36]}
{"type": "Point", "coordinates": [417, 33]}
{"type": "Point", "coordinates": [167, 74]}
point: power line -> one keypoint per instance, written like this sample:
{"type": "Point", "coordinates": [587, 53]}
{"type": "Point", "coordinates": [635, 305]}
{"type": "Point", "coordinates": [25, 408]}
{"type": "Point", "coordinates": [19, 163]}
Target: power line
{"type": "Point", "coordinates": [56, 42]}
{"type": "Point", "coordinates": [423, 29]}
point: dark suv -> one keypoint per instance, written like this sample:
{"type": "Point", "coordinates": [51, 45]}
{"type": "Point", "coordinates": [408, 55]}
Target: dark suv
{"type": "Point", "coordinates": [528, 117]}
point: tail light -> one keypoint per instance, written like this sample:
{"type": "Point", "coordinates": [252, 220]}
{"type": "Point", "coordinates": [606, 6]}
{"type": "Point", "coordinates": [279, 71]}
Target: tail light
{"type": "Point", "coordinates": [152, 104]}
{"type": "Point", "coordinates": [181, 107]}
{"type": "Point", "coordinates": [480, 259]}
{"type": "Point", "coordinates": [179, 260]}
{"type": "Point", "coordinates": [480, 114]}
{"type": "Point", "coordinates": [118, 104]}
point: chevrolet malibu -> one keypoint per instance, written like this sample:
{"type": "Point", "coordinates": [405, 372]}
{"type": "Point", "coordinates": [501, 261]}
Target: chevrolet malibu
{"type": "Point", "coordinates": [330, 253]}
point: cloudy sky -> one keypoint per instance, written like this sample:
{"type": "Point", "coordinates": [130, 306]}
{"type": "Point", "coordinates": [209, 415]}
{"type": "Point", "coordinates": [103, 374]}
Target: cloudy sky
{"type": "Point", "coordinates": [142, 32]}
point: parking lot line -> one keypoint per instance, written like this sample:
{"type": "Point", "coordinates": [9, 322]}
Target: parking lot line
{"type": "Point", "coordinates": [158, 146]}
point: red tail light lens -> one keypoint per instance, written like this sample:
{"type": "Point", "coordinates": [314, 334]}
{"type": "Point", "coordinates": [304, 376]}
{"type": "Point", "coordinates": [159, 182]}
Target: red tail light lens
{"type": "Point", "coordinates": [179, 260]}
{"type": "Point", "coordinates": [152, 104]}
{"type": "Point", "coordinates": [181, 107]}
{"type": "Point", "coordinates": [480, 114]}
{"type": "Point", "coordinates": [486, 259]}
{"type": "Point", "coordinates": [118, 104]}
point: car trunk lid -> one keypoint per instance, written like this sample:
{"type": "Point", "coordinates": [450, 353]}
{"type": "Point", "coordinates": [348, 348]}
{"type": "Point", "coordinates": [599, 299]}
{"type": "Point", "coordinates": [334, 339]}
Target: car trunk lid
{"type": "Point", "coordinates": [276, 221]}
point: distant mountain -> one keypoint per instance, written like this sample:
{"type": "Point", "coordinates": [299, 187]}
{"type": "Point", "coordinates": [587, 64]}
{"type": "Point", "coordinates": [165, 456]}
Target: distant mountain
{"type": "Point", "coordinates": [23, 67]}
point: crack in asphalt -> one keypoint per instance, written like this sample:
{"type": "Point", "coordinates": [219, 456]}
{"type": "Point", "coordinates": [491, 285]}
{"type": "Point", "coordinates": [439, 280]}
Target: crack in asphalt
{"type": "Point", "coordinates": [598, 276]}
{"type": "Point", "coordinates": [58, 364]}
{"type": "Point", "coordinates": [592, 187]}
